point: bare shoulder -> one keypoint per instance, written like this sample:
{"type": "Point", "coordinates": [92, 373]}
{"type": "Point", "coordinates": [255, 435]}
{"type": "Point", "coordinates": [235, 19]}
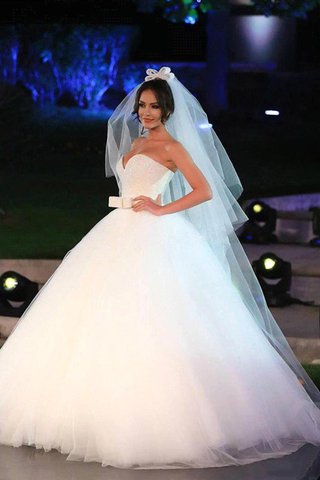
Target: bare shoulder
{"type": "Point", "coordinates": [176, 147]}
{"type": "Point", "coordinates": [189, 169]}
{"type": "Point", "coordinates": [178, 153]}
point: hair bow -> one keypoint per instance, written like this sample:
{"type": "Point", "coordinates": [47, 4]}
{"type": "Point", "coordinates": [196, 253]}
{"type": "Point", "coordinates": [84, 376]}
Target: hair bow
{"type": "Point", "coordinates": [164, 73]}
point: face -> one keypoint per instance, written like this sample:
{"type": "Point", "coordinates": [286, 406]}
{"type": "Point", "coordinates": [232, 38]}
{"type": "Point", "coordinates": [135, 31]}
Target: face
{"type": "Point", "coordinates": [149, 111]}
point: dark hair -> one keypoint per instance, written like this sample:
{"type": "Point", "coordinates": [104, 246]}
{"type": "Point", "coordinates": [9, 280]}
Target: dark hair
{"type": "Point", "coordinates": [163, 95]}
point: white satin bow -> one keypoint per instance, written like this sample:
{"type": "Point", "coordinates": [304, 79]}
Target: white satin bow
{"type": "Point", "coordinates": [164, 73]}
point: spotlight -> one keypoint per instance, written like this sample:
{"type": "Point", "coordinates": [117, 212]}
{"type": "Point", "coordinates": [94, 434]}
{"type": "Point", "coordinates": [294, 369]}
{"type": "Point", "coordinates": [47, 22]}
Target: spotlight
{"type": "Point", "coordinates": [15, 288]}
{"type": "Point", "coordinates": [274, 275]}
{"type": "Point", "coordinates": [261, 224]}
{"type": "Point", "coordinates": [270, 267]}
{"type": "Point", "coordinates": [315, 242]}
{"type": "Point", "coordinates": [274, 113]}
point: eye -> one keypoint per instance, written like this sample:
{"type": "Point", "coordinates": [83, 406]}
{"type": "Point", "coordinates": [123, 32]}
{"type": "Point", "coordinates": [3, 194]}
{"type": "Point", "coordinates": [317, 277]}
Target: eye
{"type": "Point", "coordinates": [141, 104]}
{"type": "Point", "coordinates": [155, 106]}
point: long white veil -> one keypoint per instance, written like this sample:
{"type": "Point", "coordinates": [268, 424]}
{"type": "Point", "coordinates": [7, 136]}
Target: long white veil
{"type": "Point", "coordinates": [217, 219]}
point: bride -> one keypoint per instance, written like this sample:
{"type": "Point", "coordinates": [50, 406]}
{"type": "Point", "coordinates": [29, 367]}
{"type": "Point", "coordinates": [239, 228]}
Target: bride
{"type": "Point", "coordinates": [151, 345]}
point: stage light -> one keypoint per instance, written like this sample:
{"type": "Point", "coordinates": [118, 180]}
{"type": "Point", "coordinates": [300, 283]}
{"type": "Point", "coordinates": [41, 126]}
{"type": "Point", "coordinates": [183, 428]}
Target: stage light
{"type": "Point", "coordinates": [190, 19]}
{"type": "Point", "coordinates": [260, 225]}
{"type": "Point", "coordinates": [15, 288]}
{"type": "Point", "coordinates": [275, 113]}
{"type": "Point", "coordinates": [274, 275]}
{"type": "Point", "coordinates": [315, 242]}
{"type": "Point", "coordinates": [257, 208]}
{"type": "Point", "coordinates": [269, 263]}
{"type": "Point", "coordinates": [10, 284]}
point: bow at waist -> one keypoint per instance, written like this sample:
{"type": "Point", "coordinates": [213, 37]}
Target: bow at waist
{"type": "Point", "coordinates": [120, 202]}
{"type": "Point", "coordinates": [127, 202]}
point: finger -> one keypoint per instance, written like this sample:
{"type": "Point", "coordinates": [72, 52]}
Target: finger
{"type": "Point", "coordinates": [138, 207]}
{"type": "Point", "coordinates": [141, 207]}
{"type": "Point", "coordinates": [140, 197]}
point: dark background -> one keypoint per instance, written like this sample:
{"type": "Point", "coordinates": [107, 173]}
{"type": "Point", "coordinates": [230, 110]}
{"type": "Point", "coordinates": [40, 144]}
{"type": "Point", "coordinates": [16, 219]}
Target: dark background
{"type": "Point", "coordinates": [159, 38]}
{"type": "Point", "coordinates": [52, 179]}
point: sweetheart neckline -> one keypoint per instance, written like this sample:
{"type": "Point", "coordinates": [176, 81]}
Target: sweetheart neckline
{"type": "Point", "coordinates": [142, 155]}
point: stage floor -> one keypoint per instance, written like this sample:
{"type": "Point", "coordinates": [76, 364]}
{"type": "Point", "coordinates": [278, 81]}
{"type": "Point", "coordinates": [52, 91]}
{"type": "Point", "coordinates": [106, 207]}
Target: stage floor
{"type": "Point", "coordinates": [28, 463]}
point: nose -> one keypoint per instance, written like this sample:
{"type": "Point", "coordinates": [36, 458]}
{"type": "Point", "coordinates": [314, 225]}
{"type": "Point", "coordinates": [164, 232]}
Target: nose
{"type": "Point", "coordinates": [147, 111]}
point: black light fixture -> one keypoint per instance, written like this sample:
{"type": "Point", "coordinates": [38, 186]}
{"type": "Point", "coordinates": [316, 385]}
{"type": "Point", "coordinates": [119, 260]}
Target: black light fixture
{"type": "Point", "coordinates": [274, 275]}
{"type": "Point", "coordinates": [15, 288]}
{"type": "Point", "coordinates": [260, 225]}
{"type": "Point", "coordinates": [315, 242]}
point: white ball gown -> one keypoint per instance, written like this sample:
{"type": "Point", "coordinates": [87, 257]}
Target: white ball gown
{"type": "Point", "coordinates": [139, 353]}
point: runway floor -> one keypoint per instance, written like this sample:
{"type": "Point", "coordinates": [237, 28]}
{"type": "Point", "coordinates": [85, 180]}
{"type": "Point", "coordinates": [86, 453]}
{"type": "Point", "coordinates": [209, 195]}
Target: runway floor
{"type": "Point", "coordinates": [28, 463]}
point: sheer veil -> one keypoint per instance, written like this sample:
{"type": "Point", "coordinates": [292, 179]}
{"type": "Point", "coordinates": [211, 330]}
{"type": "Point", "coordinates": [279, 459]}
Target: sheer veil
{"type": "Point", "coordinates": [217, 219]}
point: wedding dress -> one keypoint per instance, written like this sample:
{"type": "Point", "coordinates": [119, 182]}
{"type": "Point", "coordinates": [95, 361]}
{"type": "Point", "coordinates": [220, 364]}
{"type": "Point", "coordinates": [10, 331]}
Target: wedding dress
{"type": "Point", "coordinates": [139, 352]}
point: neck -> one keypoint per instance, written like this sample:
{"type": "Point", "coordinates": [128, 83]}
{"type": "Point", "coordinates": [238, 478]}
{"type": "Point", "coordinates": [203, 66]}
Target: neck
{"type": "Point", "coordinates": [157, 133]}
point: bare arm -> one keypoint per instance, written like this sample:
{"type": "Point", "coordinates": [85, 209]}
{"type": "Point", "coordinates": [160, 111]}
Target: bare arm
{"type": "Point", "coordinates": [201, 191]}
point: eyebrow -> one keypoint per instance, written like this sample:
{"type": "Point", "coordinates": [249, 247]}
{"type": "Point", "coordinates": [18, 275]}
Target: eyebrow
{"type": "Point", "coordinates": [152, 103]}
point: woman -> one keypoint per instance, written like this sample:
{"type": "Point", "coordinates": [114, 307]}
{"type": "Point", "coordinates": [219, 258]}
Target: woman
{"type": "Point", "coordinates": [160, 145]}
{"type": "Point", "coordinates": [151, 346]}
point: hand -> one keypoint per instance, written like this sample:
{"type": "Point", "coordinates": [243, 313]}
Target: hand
{"type": "Point", "coordinates": [146, 203]}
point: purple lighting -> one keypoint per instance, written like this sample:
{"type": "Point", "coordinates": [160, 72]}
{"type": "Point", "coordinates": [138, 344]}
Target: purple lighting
{"type": "Point", "coordinates": [264, 41]}
{"type": "Point", "coordinates": [261, 30]}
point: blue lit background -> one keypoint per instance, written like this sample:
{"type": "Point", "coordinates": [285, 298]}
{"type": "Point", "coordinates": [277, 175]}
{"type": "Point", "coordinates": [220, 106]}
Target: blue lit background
{"type": "Point", "coordinates": [60, 81]}
{"type": "Point", "coordinates": [72, 65]}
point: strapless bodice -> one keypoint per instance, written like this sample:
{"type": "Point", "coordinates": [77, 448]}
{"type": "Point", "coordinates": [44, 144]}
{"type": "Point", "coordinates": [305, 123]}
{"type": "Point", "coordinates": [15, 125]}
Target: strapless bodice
{"type": "Point", "coordinates": [143, 176]}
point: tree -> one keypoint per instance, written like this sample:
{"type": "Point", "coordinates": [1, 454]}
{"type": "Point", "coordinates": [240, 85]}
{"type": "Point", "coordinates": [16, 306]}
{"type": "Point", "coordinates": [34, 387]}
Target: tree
{"type": "Point", "coordinates": [55, 62]}
{"type": "Point", "coordinates": [188, 10]}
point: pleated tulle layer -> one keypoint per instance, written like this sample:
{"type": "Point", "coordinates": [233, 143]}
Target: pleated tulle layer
{"type": "Point", "coordinates": [139, 353]}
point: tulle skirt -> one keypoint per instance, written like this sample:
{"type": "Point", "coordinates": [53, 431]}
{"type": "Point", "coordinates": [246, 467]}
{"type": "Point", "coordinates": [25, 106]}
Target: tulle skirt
{"type": "Point", "coordinates": [139, 353]}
